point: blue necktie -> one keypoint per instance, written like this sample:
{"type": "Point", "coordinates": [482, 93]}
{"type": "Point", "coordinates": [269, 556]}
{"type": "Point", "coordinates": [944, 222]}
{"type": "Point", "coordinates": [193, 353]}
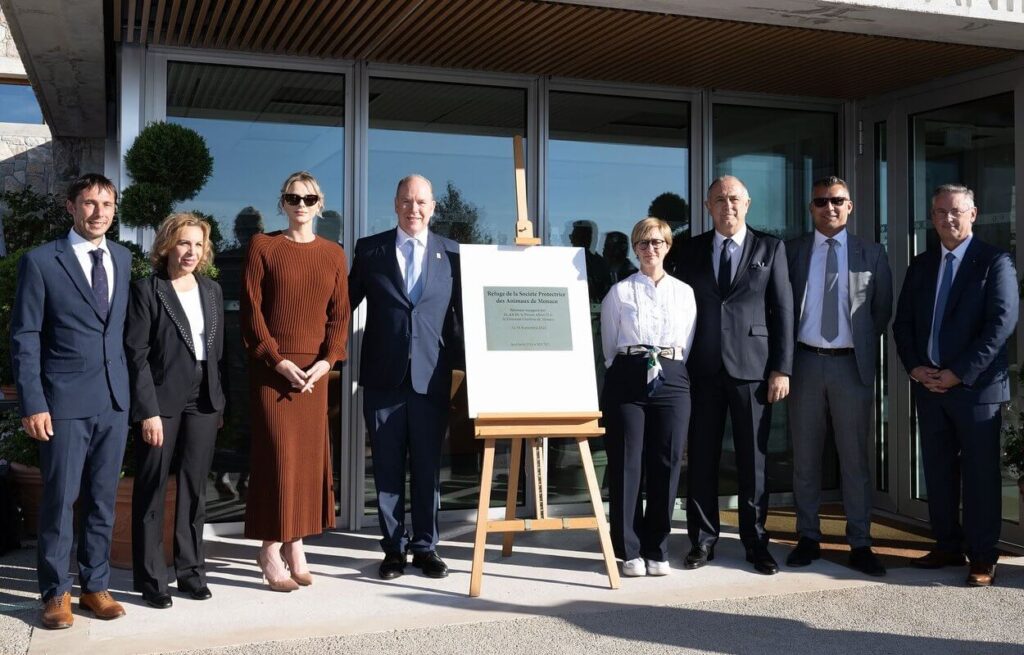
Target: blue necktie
{"type": "Point", "coordinates": [100, 284]}
{"type": "Point", "coordinates": [940, 306]}
{"type": "Point", "coordinates": [830, 300]}
{"type": "Point", "coordinates": [412, 272]}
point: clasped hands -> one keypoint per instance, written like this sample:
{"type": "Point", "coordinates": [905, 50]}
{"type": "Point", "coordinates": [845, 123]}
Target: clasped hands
{"type": "Point", "coordinates": [300, 379]}
{"type": "Point", "coordinates": [933, 379]}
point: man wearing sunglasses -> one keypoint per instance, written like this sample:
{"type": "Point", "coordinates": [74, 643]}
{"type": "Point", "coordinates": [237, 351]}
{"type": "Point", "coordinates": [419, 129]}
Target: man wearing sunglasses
{"type": "Point", "coordinates": [739, 364]}
{"type": "Point", "coordinates": [957, 308]}
{"type": "Point", "coordinates": [409, 277]}
{"type": "Point", "coordinates": [842, 299]}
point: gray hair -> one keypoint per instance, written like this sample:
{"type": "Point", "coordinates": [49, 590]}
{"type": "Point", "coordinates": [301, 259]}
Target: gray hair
{"type": "Point", "coordinates": [724, 178]}
{"type": "Point", "coordinates": [409, 178]}
{"type": "Point", "coordinates": [953, 189]}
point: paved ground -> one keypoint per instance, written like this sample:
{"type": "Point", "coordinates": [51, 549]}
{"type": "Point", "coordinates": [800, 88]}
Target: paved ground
{"type": "Point", "coordinates": [544, 599]}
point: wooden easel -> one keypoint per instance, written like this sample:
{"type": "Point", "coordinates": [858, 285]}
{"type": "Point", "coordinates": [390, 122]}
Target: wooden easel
{"type": "Point", "coordinates": [533, 428]}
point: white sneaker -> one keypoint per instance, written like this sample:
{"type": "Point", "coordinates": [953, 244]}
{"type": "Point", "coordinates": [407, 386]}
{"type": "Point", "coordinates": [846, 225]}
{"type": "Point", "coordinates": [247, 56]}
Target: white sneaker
{"type": "Point", "coordinates": [634, 568]}
{"type": "Point", "coordinates": [658, 568]}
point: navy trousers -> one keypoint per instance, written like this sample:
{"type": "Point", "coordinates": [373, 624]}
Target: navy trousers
{"type": "Point", "coordinates": [81, 461]}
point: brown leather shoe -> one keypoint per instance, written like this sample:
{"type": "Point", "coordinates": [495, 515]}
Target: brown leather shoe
{"type": "Point", "coordinates": [981, 575]}
{"type": "Point", "coordinates": [937, 559]}
{"type": "Point", "coordinates": [57, 612]}
{"type": "Point", "coordinates": [102, 604]}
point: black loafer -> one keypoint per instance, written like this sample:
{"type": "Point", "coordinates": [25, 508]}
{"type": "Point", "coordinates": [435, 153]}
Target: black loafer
{"type": "Point", "coordinates": [431, 565]}
{"type": "Point", "coordinates": [195, 590]}
{"type": "Point", "coordinates": [806, 551]}
{"type": "Point", "coordinates": [763, 561]}
{"type": "Point", "coordinates": [699, 556]}
{"type": "Point", "coordinates": [392, 567]}
{"type": "Point", "coordinates": [160, 601]}
{"type": "Point", "coordinates": [864, 560]}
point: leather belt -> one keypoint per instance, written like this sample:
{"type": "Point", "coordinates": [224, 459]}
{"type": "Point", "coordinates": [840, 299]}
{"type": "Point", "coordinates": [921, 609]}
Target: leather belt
{"type": "Point", "coordinates": [829, 352]}
{"type": "Point", "coordinates": [674, 352]}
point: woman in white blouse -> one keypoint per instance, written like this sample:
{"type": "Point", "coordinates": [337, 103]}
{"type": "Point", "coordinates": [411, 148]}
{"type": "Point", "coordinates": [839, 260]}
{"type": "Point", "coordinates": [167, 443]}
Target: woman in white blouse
{"type": "Point", "coordinates": [647, 325]}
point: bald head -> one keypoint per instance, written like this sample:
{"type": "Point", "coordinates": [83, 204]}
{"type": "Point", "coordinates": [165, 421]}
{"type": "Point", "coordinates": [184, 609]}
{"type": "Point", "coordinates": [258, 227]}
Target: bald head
{"type": "Point", "coordinates": [415, 177]}
{"type": "Point", "coordinates": [727, 203]}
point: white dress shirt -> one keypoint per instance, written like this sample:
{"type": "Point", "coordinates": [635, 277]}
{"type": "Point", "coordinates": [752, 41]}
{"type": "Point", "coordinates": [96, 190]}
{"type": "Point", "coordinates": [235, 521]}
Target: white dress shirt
{"type": "Point", "coordinates": [421, 253]}
{"type": "Point", "coordinates": [639, 312]}
{"type": "Point", "coordinates": [809, 331]}
{"type": "Point", "coordinates": [958, 254]}
{"type": "Point", "coordinates": [82, 248]}
{"type": "Point", "coordinates": [193, 306]}
{"type": "Point", "coordinates": [735, 250]}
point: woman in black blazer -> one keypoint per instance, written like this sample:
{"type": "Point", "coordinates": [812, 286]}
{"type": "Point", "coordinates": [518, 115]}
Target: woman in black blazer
{"type": "Point", "coordinates": [174, 340]}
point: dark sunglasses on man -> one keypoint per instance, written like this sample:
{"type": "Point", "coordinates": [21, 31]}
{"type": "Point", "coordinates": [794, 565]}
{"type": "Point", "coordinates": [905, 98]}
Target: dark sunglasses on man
{"type": "Point", "coordinates": [294, 199]}
{"type": "Point", "coordinates": [837, 201]}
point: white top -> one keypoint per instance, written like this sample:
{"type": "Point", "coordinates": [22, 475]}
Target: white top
{"type": "Point", "coordinates": [400, 238]}
{"type": "Point", "coordinates": [735, 250]}
{"type": "Point", "coordinates": [637, 312]}
{"type": "Point", "coordinates": [958, 254]}
{"type": "Point", "coordinates": [82, 248]}
{"type": "Point", "coordinates": [809, 331]}
{"type": "Point", "coordinates": [193, 306]}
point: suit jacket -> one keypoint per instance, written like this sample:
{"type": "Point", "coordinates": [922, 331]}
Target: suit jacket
{"type": "Point", "coordinates": [161, 354]}
{"type": "Point", "coordinates": [979, 317]}
{"type": "Point", "coordinates": [870, 301]}
{"type": "Point", "coordinates": [68, 361]}
{"type": "Point", "coordinates": [425, 338]}
{"type": "Point", "coordinates": [749, 332]}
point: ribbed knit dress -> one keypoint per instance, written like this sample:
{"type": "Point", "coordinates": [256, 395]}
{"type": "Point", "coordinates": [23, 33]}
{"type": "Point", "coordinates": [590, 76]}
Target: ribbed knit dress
{"type": "Point", "coordinates": [294, 306]}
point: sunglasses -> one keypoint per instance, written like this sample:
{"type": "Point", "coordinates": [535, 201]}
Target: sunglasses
{"type": "Point", "coordinates": [294, 199]}
{"type": "Point", "coordinates": [837, 201]}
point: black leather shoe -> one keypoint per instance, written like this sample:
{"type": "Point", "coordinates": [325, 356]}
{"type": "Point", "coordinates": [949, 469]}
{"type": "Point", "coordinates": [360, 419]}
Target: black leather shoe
{"type": "Point", "coordinates": [161, 601]}
{"type": "Point", "coordinates": [194, 590]}
{"type": "Point", "coordinates": [431, 565]}
{"type": "Point", "coordinates": [936, 559]}
{"type": "Point", "coordinates": [865, 561]}
{"type": "Point", "coordinates": [393, 566]}
{"type": "Point", "coordinates": [699, 556]}
{"type": "Point", "coordinates": [806, 551]}
{"type": "Point", "coordinates": [763, 561]}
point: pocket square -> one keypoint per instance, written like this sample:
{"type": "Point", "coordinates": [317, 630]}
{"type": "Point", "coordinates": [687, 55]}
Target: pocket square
{"type": "Point", "coordinates": [757, 265]}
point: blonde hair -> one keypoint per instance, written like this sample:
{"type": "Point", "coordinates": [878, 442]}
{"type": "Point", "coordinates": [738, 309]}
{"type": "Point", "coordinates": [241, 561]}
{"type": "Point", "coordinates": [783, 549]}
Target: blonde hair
{"type": "Point", "coordinates": [167, 237]}
{"type": "Point", "coordinates": [650, 224]}
{"type": "Point", "coordinates": [301, 176]}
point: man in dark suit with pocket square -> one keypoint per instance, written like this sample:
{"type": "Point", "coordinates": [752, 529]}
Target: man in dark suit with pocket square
{"type": "Point", "coordinates": [740, 363]}
{"type": "Point", "coordinates": [409, 277]}
{"type": "Point", "coordinates": [957, 309]}
{"type": "Point", "coordinates": [67, 334]}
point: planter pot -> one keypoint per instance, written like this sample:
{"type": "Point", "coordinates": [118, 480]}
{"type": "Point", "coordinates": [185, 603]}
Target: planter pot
{"type": "Point", "coordinates": [29, 482]}
{"type": "Point", "coordinates": [121, 544]}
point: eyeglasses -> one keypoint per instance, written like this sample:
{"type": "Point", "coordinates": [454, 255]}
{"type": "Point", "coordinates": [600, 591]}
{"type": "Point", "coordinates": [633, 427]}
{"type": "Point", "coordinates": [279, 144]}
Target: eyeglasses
{"type": "Point", "coordinates": [837, 201]}
{"type": "Point", "coordinates": [650, 243]}
{"type": "Point", "coordinates": [294, 199]}
{"type": "Point", "coordinates": [952, 213]}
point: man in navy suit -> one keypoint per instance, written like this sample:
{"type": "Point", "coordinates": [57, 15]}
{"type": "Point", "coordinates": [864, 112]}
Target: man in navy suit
{"type": "Point", "coordinates": [67, 333]}
{"type": "Point", "coordinates": [740, 363]}
{"type": "Point", "coordinates": [957, 308]}
{"type": "Point", "coordinates": [412, 341]}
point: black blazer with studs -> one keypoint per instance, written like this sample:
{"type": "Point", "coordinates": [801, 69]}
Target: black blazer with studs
{"type": "Point", "coordinates": [158, 344]}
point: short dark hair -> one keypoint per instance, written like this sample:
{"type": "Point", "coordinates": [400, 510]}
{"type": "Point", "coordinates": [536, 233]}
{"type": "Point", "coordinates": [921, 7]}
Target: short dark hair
{"type": "Point", "coordinates": [88, 181]}
{"type": "Point", "coordinates": [830, 181]}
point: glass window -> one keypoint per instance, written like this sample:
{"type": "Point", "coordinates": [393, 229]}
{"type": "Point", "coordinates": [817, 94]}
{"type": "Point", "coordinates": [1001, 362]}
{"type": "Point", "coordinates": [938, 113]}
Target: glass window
{"type": "Point", "coordinates": [882, 376]}
{"type": "Point", "coordinates": [18, 104]}
{"type": "Point", "coordinates": [777, 153]}
{"type": "Point", "coordinates": [260, 126]}
{"type": "Point", "coordinates": [459, 136]}
{"type": "Point", "coordinates": [612, 160]}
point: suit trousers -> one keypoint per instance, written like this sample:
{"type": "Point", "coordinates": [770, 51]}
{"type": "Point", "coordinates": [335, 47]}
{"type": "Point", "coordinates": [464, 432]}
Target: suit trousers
{"type": "Point", "coordinates": [645, 440]}
{"type": "Point", "coordinates": [960, 446]}
{"type": "Point", "coordinates": [81, 461]}
{"type": "Point", "coordinates": [406, 426]}
{"type": "Point", "coordinates": [189, 440]}
{"type": "Point", "coordinates": [746, 403]}
{"type": "Point", "coordinates": [824, 390]}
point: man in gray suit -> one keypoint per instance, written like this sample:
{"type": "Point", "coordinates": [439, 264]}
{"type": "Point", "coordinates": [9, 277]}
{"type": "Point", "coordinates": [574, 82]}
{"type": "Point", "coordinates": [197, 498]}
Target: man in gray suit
{"type": "Point", "coordinates": [842, 298]}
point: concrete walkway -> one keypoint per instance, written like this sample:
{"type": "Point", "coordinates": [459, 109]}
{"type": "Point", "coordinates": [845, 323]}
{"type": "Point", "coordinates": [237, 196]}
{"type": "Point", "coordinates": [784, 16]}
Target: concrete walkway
{"type": "Point", "coordinates": [550, 596]}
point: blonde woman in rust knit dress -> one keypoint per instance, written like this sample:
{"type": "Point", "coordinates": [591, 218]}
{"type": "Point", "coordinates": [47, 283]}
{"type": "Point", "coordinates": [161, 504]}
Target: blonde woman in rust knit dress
{"type": "Point", "coordinates": [295, 314]}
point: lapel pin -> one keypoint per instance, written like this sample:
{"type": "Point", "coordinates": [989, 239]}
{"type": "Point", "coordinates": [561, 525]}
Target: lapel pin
{"type": "Point", "coordinates": [437, 255]}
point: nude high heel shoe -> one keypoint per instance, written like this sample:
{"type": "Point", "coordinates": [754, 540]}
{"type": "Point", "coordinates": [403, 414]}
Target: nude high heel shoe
{"type": "Point", "coordinates": [304, 579]}
{"type": "Point", "coordinates": [283, 585]}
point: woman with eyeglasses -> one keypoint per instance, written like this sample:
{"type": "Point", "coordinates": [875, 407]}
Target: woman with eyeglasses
{"type": "Point", "coordinates": [647, 326]}
{"type": "Point", "coordinates": [295, 315]}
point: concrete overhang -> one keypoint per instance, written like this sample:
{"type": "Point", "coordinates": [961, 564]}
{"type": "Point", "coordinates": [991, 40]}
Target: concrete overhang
{"type": "Point", "coordinates": [989, 23]}
{"type": "Point", "coordinates": [62, 45]}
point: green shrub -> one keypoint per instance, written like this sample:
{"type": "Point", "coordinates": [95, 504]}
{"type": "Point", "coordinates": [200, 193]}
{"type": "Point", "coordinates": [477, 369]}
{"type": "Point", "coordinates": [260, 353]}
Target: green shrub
{"type": "Point", "coordinates": [15, 444]}
{"type": "Point", "coordinates": [33, 218]}
{"type": "Point", "coordinates": [171, 156]}
{"type": "Point", "coordinates": [145, 204]}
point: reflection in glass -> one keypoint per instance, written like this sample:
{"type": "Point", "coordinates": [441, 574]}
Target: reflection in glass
{"type": "Point", "coordinates": [459, 136]}
{"type": "Point", "coordinates": [882, 375]}
{"type": "Point", "coordinates": [777, 154]}
{"type": "Point", "coordinates": [970, 143]}
{"type": "Point", "coordinates": [18, 104]}
{"type": "Point", "coordinates": [612, 160]}
{"type": "Point", "coordinates": [260, 126]}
